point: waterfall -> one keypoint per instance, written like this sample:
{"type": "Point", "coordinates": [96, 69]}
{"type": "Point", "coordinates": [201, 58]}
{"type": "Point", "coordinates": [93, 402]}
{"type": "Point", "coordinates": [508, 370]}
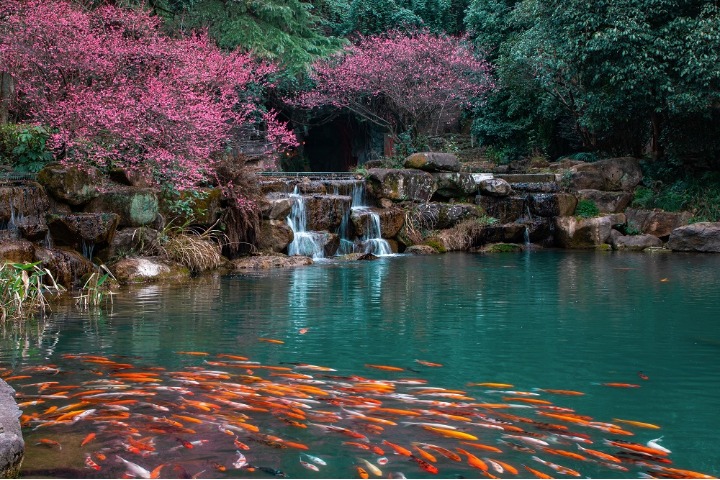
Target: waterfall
{"type": "Point", "coordinates": [372, 241]}
{"type": "Point", "coordinates": [526, 236]}
{"type": "Point", "coordinates": [306, 243]}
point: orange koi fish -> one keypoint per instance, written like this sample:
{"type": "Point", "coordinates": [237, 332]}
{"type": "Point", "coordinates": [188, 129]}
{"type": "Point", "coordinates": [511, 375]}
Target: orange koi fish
{"type": "Point", "coordinates": [598, 454]}
{"type": "Point", "coordinates": [684, 473]}
{"type": "Point", "coordinates": [561, 392]}
{"type": "Point", "coordinates": [90, 464]}
{"type": "Point", "coordinates": [636, 447]}
{"type": "Point", "coordinates": [362, 472]}
{"type": "Point", "coordinates": [88, 439]}
{"type": "Point", "coordinates": [481, 446]}
{"type": "Point", "coordinates": [450, 433]}
{"type": "Point", "coordinates": [428, 364]}
{"type": "Point", "coordinates": [537, 473]}
{"type": "Point", "coordinates": [49, 443]}
{"type": "Point", "coordinates": [637, 424]}
{"type": "Point", "coordinates": [197, 354]}
{"type": "Point", "coordinates": [443, 451]}
{"type": "Point", "coordinates": [426, 455]}
{"type": "Point", "coordinates": [270, 340]}
{"type": "Point", "coordinates": [491, 385]}
{"type": "Point", "coordinates": [621, 385]}
{"type": "Point", "coordinates": [398, 449]}
{"type": "Point", "coordinates": [474, 461]}
{"type": "Point", "coordinates": [507, 467]}
{"type": "Point", "coordinates": [535, 401]}
{"type": "Point", "coordinates": [387, 368]}
{"type": "Point", "coordinates": [428, 467]}
{"type": "Point", "coordinates": [565, 453]}
{"type": "Point", "coordinates": [232, 357]}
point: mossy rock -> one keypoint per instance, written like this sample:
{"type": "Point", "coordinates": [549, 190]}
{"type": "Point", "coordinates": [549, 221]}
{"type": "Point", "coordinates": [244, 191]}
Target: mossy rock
{"type": "Point", "coordinates": [503, 248]}
{"type": "Point", "coordinates": [436, 244]}
{"type": "Point", "coordinates": [70, 184]}
{"type": "Point", "coordinates": [136, 207]}
{"type": "Point", "coordinates": [203, 209]}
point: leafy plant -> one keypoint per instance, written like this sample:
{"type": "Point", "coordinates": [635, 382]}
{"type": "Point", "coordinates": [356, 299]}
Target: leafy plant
{"type": "Point", "coordinates": [587, 209]}
{"type": "Point", "coordinates": [23, 287]}
{"type": "Point", "coordinates": [97, 290]}
{"type": "Point", "coordinates": [25, 146]}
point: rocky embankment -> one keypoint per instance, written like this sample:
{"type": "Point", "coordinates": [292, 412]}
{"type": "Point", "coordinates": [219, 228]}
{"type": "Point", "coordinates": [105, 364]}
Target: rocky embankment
{"type": "Point", "coordinates": [12, 446]}
{"type": "Point", "coordinates": [71, 220]}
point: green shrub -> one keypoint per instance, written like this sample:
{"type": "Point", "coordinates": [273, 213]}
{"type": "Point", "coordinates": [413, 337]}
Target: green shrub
{"type": "Point", "coordinates": [587, 209]}
{"type": "Point", "coordinates": [24, 146]}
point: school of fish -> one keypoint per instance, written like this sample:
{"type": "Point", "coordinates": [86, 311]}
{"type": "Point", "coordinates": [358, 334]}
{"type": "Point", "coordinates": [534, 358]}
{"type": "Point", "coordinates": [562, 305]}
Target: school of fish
{"type": "Point", "coordinates": [226, 416]}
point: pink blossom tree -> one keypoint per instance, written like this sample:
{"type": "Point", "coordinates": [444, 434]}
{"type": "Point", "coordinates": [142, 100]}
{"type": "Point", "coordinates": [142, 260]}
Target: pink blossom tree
{"type": "Point", "coordinates": [117, 92]}
{"type": "Point", "coordinates": [401, 82]}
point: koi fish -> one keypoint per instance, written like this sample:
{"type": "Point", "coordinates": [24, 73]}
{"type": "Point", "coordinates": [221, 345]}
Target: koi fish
{"type": "Point", "coordinates": [372, 468]}
{"type": "Point", "coordinates": [270, 340]}
{"type": "Point", "coordinates": [537, 473]}
{"type": "Point", "coordinates": [428, 467]}
{"type": "Point", "coordinates": [491, 385]}
{"type": "Point", "coordinates": [636, 447]}
{"type": "Point", "coordinates": [134, 469]}
{"type": "Point", "coordinates": [426, 455]}
{"type": "Point", "coordinates": [398, 449]}
{"type": "Point", "coordinates": [474, 461]}
{"type": "Point", "coordinates": [240, 461]}
{"type": "Point", "coordinates": [561, 392]}
{"type": "Point", "coordinates": [428, 364]}
{"type": "Point", "coordinates": [621, 385]}
{"type": "Point", "coordinates": [556, 467]}
{"type": "Point", "coordinates": [481, 446]}
{"type": "Point", "coordinates": [598, 454]}
{"type": "Point", "coordinates": [198, 354]}
{"type": "Point", "coordinates": [382, 461]}
{"type": "Point", "coordinates": [643, 376]}
{"type": "Point", "coordinates": [90, 464]}
{"type": "Point", "coordinates": [309, 466]}
{"type": "Point", "coordinates": [89, 438]}
{"type": "Point", "coordinates": [637, 424]}
{"type": "Point", "coordinates": [450, 433]}
{"type": "Point", "coordinates": [387, 368]}
{"type": "Point", "coordinates": [362, 472]}
{"type": "Point", "coordinates": [316, 460]}
{"type": "Point", "coordinates": [49, 443]}
{"type": "Point", "coordinates": [443, 451]}
{"type": "Point", "coordinates": [654, 444]}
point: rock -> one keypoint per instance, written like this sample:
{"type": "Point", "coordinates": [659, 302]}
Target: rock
{"type": "Point", "coordinates": [274, 208]}
{"type": "Point", "coordinates": [535, 187]}
{"type": "Point", "coordinates": [137, 177]}
{"type": "Point", "coordinates": [201, 207]}
{"type": "Point", "coordinates": [698, 237]}
{"type": "Point", "coordinates": [505, 209]}
{"type": "Point", "coordinates": [455, 185]}
{"type": "Point", "coordinates": [502, 248]}
{"type": "Point", "coordinates": [611, 174]}
{"type": "Point", "coordinates": [656, 222]}
{"type": "Point", "coordinates": [274, 236]}
{"type": "Point", "coordinates": [607, 202]}
{"type": "Point", "coordinates": [506, 233]}
{"type": "Point", "coordinates": [277, 185]}
{"type": "Point", "coordinates": [391, 220]}
{"type": "Point", "coordinates": [552, 204]}
{"type": "Point", "coordinates": [401, 185]}
{"type": "Point", "coordinates": [386, 203]}
{"type": "Point", "coordinates": [71, 184]}
{"type": "Point", "coordinates": [438, 215]}
{"type": "Point", "coordinates": [270, 261]}
{"type": "Point", "coordinates": [78, 229]}
{"type": "Point", "coordinates": [421, 250]}
{"type": "Point", "coordinates": [23, 206]}
{"type": "Point", "coordinates": [136, 207]}
{"type": "Point", "coordinates": [12, 446]}
{"type": "Point", "coordinates": [147, 269]}
{"type": "Point", "coordinates": [134, 241]}
{"type": "Point", "coordinates": [635, 242]}
{"type": "Point", "coordinates": [574, 232]}
{"type": "Point", "coordinates": [326, 212]}
{"type": "Point", "coordinates": [308, 187]}
{"type": "Point", "coordinates": [541, 230]}
{"type": "Point", "coordinates": [17, 251]}
{"type": "Point", "coordinates": [495, 187]}
{"type": "Point", "coordinates": [433, 162]}
{"type": "Point", "coordinates": [67, 267]}
{"type": "Point", "coordinates": [314, 244]}
{"type": "Point", "coordinates": [352, 257]}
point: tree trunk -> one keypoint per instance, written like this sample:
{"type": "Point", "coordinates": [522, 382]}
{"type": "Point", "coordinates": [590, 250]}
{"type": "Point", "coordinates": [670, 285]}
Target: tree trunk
{"type": "Point", "coordinates": [656, 147]}
{"type": "Point", "coordinates": [7, 95]}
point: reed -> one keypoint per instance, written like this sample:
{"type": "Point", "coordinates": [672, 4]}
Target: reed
{"type": "Point", "coordinates": [24, 288]}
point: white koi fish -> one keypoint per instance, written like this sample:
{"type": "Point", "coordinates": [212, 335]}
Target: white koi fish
{"type": "Point", "coordinates": [135, 469]}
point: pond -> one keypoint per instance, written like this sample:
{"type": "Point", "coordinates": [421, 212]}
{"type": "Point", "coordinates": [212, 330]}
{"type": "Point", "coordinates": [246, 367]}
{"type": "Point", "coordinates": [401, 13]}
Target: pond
{"type": "Point", "coordinates": [529, 359]}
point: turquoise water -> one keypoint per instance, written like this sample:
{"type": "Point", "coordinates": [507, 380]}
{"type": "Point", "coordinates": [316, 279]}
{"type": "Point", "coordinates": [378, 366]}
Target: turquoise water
{"type": "Point", "coordinates": [539, 320]}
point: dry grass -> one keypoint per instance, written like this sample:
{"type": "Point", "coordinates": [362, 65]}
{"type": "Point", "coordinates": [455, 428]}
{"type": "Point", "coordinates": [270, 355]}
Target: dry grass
{"type": "Point", "coordinates": [198, 252]}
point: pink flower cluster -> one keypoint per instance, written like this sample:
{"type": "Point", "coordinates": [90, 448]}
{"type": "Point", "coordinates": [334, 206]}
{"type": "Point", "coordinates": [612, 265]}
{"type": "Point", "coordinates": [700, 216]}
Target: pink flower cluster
{"type": "Point", "coordinates": [116, 91]}
{"type": "Point", "coordinates": [401, 81]}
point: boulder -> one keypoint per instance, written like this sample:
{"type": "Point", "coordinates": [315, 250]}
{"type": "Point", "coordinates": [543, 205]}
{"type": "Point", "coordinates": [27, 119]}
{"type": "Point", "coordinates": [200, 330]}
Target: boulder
{"type": "Point", "coordinates": [495, 187]}
{"type": "Point", "coordinates": [274, 236]}
{"type": "Point", "coordinates": [276, 208]}
{"type": "Point", "coordinates": [698, 237]}
{"type": "Point", "coordinates": [607, 202]}
{"type": "Point", "coordinates": [433, 162]}
{"type": "Point", "coordinates": [438, 215]}
{"type": "Point", "coordinates": [135, 207]}
{"type": "Point", "coordinates": [391, 220]}
{"type": "Point", "coordinates": [270, 261]}
{"type": "Point", "coordinates": [147, 269]}
{"type": "Point", "coordinates": [12, 446]}
{"type": "Point", "coordinates": [308, 187]}
{"type": "Point", "coordinates": [200, 207]}
{"type": "Point", "coordinates": [276, 185]}
{"type": "Point", "coordinates": [656, 222]}
{"type": "Point", "coordinates": [23, 206]}
{"type": "Point", "coordinates": [78, 229]}
{"type": "Point", "coordinates": [421, 250]}
{"type": "Point", "coordinates": [505, 233]}
{"type": "Point", "coordinates": [401, 185]}
{"type": "Point", "coordinates": [67, 266]}
{"type": "Point", "coordinates": [541, 230]}
{"type": "Point", "coordinates": [505, 209]}
{"type": "Point", "coordinates": [70, 184]}
{"type": "Point", "coordinates": [136, 177]}
{"type": "Point", "coordinates": [357, 256]}
{"type": "Point", "coordinates": [535, 187]}
{"type": "Point", "coordinates": [552, 204]}
{"type": "Point", "coordinates": [574, 232]}
{"type": "Point", "coordinates": [314, 244]}
{"type": "Point", "coordinates": [17, 251]}
{"type": "Point", "coordinates": [611, 174]}
{"type": "Point", "coordinates": [455, 185]}
{"type": "Point", "coordinates": [635, 242]}
{"type": "Point", "coordinates": [326, 212]}
{"type": "Point", "coordinates": [134, 241]}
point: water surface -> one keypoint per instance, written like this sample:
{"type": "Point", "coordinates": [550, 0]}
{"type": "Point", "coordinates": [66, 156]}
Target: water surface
{"type": "Point", "coordinates": [549, 320]}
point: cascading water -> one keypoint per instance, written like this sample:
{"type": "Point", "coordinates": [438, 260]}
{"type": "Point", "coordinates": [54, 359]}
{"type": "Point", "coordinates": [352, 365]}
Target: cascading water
{"type": "Point", "coordinates": [371, 241]}
{"type": "Point", "coordinates": [304, 243]}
